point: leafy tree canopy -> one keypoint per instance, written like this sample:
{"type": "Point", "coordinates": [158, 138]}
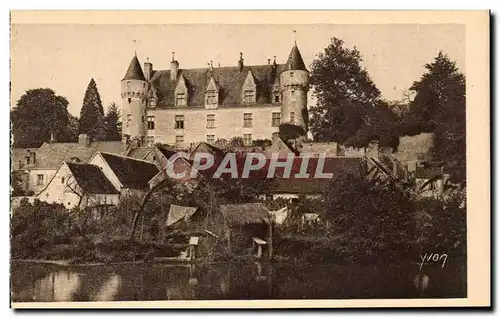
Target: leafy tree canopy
{"type": "Point", "coordinates": [38, 113]}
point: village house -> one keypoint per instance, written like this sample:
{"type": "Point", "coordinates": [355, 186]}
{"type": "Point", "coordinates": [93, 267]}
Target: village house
{"type": "Point", "coordinates": [79, 185]}
{"type": "Point", "coordinates": [128, 175]}
{"type": "Point", "coordinates": [22, 161]}
{"type": "Point", "coordinates": [51, 155]}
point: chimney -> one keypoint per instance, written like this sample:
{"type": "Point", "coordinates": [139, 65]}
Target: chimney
{"type": "Point", "coordinates": [83, 140]}
{"type": "Point", "coordinates": [148, 69]}
{"type": "Point", "coordinates": [240, 62]}
{"type": "Point", "coordinates": [268, 61]}
{"type": "Point", "coordinates": [174, 68]}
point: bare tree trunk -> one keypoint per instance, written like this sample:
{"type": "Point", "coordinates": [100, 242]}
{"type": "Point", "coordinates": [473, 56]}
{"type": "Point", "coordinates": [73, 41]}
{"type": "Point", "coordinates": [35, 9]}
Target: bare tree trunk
{"type": "Point", "coordinates": [139, 211]}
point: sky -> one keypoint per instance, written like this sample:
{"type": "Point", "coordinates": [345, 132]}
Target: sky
{"type": "Point", "coordinates": [64, 57]}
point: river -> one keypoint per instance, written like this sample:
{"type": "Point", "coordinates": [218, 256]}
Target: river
{"type": "Point", "coordinates": [47, 283]}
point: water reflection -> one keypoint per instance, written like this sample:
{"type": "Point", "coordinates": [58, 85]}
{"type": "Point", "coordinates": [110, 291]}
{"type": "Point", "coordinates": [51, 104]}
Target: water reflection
{"type": "Point", "coordinates": [223, 281]}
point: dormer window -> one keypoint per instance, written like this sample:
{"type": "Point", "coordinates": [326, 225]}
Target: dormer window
{"type": "Point", "coordinates": [249, 96]}
{"type": "Point", "coordinates": [180, 99]}
{"type": "Point", "coordinates": [211, 97]}
{"type": "Point", "coordinates": [276, 98]}
{"type": "Point", "coordinates": [152, 102]}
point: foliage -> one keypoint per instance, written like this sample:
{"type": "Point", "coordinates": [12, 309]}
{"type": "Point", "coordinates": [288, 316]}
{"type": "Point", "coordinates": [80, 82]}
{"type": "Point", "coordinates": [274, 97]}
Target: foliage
{"type": "Point", "coordinates": [439, 107]}
{"type": "Point", "coordinates": [72, 128]}
{"type": "Point", "coordinates": [92, 113]}
{"type": "Point", "coordinates": [236, 142]}
{"type": "Point", "coordinates": [378, 224]}
{"type": "Point", "coordinates": [38, 113]}
{"type": "Point", "coordinates": [263, 143]}
{"type": "Point", "coordinates": [345, 93]}
{"type": "Point", "coordinates": [288, 132]}
{"type": "Point", "coordinates": [113, 124]}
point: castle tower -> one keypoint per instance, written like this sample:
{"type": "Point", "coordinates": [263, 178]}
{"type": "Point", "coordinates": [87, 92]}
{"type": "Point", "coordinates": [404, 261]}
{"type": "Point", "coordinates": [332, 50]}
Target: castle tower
{"type": "Point", "coordinates": [294, 80]}
{"type": "Point", "coordinates": [134, 97]}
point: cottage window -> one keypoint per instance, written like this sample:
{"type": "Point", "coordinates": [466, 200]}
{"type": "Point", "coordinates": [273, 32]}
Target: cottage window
{"type": "Point", "coordinates": [179, 140]}
{"type": "Point", "coordinates": [211, 139]}
{"type": "Point", "coordinates": [247, 139]}
{"type": "Point", "coordinates": [247, 120]}
{"type": "Point", "coordinates": [151, 122]}
{"type": "Point", "coordinates": [179, 122]}
{"type": "Point", "coordinates": [211, 121]}
{"type": "Point", "coordinates": [181, 99]}
{"type": "Point", "coordinates": [276, 119]}
{"type": "Point", "coordinates": [211, 97]}
{"type": "Point", "coordinates": [39, 179]}
{"type": "Point", "coordinates": [249, 96]}
{"type": "Point", "coordinates": [62, 179]}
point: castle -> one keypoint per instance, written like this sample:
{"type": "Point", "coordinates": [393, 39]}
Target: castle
{"type": "Point", "coordinates": [184, 106]}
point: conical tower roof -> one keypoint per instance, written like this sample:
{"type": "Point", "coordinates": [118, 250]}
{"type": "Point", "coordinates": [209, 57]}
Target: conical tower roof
{"type": "Point", "coordinates": [134, 71]}
{"type": "Point", "coordinates": [295, 61]}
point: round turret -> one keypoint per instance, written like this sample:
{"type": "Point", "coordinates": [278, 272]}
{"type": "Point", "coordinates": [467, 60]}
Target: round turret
{"type": "Point", "coordinates": [294, 80]}
{"type": "Point", "coordinates": [134, 87]}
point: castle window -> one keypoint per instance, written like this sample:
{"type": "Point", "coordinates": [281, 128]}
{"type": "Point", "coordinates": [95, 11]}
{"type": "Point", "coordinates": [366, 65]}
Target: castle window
{"type": "Point", "coordinates": [211, 97]}
{"type": "Point", "coordinates": [129, 100]}
{"type": "Point", "coordinates": [211, 121]}
{"type": "Point", "coordinates": [247, 120]}
{"type": "Point", "coordinates": [277, 98]}
{"type": "Point", "coordinates": [179, 140]}
{"type": "Point", "coordinates": [275, 119]}
{"type": "Point", "coordinates": [152, 102]}
{"type": "Point", "coordinates": [150, 140]}
{"type": "Point", "coordinates": [247, 139]}
{"type": "Point", "coordinates": [181, 99]}
{"type": "Point", "coordinates": [128, 84]}
{"type": "Point", "coordinates": [151, 122]}
{"type": "Point", "coordinates": [292, 117]}
{"type": "Point", "coordinates": [129, 120]}
{"type": "Point", "coordinates": [39, 179]}
{"type": "Point", "coordinates": [179, 121]}
{"type": "Point", "coordinates": [249, 96]}
{"type": "Point", "coordinates": [211, 139]}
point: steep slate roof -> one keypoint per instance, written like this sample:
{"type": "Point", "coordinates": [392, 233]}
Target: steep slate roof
{"type": "Point", "coordinates": [134, 71]}
{"type": "Point", "coordinates": [247, 213]}
{"type": "Point", "coordinates": [139, 153]}
{"type": "Point", "coordinates": [52, 155]}
{"type": "Point", "coordinates": [229, 79]}
{"type": "Point", "coordinates": [91, 179]}
{"type": "Point", "coordinates": [295, 61]}
{"type": "Point", "coordinates": [132, 173]}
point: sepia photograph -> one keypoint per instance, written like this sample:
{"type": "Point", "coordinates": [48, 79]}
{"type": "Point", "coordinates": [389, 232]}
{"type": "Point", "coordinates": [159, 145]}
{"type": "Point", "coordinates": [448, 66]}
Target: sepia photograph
{"type": "Point", "coordinates": [168, 158]}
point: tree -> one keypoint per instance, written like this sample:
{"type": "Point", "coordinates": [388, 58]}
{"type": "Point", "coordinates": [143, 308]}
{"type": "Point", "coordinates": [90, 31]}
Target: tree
{"type": "Point", "coordinates": [439, 107]}
{"type": "Point", "coordinates": [113, 124]}
{"type": "Point", "coordinates": [345, 93]}
{"type": "Point", "coordinates": [92, 113]}
{"type": "Point", "coordinates": [72, 128]}
{"type": "Point", "coordinates": [288, 132]}
{"type": "Point", "coordinates": [38, 113]}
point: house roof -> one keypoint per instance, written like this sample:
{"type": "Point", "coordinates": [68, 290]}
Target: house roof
{"type": "Point", "coordinates": [132, 173]}
{"type": "Point", "coordinates": [134, 71]}
{"type": "Point", "coordinates": [52, 155]}
{"type": "Point", "coordinates": [337, 166]}
{"type": "Point", "coordinates": [91, 179]}
{"type": "Point", "coordinates": [328, 148]}
{"type": "Point", "coordinates": [295, 61]}
{"type": "Point", "coordinates": [139, 153]}
{"type": "Point", "coordinates": [230, 81]}
{"type": "Point", "coordinates": [247, 213]}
